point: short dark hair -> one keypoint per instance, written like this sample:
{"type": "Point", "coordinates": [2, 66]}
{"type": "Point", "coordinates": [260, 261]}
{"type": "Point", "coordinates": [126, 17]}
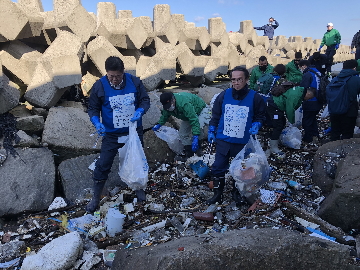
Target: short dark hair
{"type": "Point", "coordinates": [262, 58]}
{"type": "Point", "coordinates": [316, 55]}
{"type": "Point", "coordinates": [114, 63]}
{"type": "Point", "coordinates": [304, 63]}
{"type": "Point", "coordinates": [280, 69]}
{"type": "Point", "coordinates": [239, 68]}
{"type": "Point", "coordinates": [298, 55]}
{"type": "Point", "coordinates": [312, 90]}
{"type": "Point", "coordinates": [350, 64]}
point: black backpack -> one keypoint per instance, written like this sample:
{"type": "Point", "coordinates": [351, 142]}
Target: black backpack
{"type": "Point", "coordinates": [324, 81]}
{"type": "Point", "coordinates": [338, 96]}
{"type": "Point", "coordinates": [281, 86]}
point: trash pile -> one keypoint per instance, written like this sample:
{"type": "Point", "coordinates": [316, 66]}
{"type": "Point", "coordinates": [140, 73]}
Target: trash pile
{"type": "Point", "coordinates": [174, 208]}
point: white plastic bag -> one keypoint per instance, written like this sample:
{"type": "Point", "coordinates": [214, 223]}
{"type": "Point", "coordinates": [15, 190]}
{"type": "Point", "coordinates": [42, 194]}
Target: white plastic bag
{"type": "Point", "coordinates": [291, 137]}
{"type": "Point", "coordinates": [325, 113]}
{"type": "Point", "coordinates": [250, 168]}
{"type": "Point", "coordinates": [171, 136]}
{"type": "Point", "coordinates": [298, 117]}
{"type": "Point", "coordinates": [133, 166]}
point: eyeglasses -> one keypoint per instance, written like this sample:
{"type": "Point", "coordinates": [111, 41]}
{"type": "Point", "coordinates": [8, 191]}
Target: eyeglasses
{"type": "Point", "coordinates": [237, 80]}
{"type": "Point", "coordinates": [111, 77]}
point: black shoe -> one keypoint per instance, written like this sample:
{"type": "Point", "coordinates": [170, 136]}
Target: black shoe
{"type": "Point", "coordinates": [219, 183]}
{"type": "Point", "coordinates": [140, 194]}
{"type": "Point", "coordinates": [94, 203]}
{"type": "Point", "coordinates": [236, 196]}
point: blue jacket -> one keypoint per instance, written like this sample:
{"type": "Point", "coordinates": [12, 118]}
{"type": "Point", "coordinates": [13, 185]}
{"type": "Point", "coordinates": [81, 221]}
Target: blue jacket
{"type": "Point", "coordinates": [268, 29]}
{"type": "Point", "coordinates": [309, 79]}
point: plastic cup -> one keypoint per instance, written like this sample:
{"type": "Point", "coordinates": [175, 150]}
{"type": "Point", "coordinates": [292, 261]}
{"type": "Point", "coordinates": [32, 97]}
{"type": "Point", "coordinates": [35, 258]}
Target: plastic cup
{"type": "Point", "coordinates": [114, 221]}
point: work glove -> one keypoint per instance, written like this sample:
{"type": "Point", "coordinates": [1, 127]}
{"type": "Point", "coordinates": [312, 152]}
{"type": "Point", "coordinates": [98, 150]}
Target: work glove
{"type": "Point", "coordinates": [100, 128]}
{"type": "Point", "coordinates": [320, 47]}
{"type": "Point", "coordinates": [156, 127]}
{"type": "Point", "coordinates": [327, 131]}
{"type": "Point", "coordinates": [255, 128]}
{"type": "Point", "coordinates": [195, 143]}
{"type": "Point", "coordinates": [137, 115]}
{"type": "Point", "coordinates": [211, 134]}
{"type": "Point", "coordinates": [337, 46]}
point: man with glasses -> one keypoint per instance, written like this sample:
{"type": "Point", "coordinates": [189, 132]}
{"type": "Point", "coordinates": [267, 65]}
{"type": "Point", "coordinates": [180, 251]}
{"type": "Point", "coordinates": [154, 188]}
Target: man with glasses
{"type": "Point", "coordinates": [293, 73]}
{"type": "Point", "coordinates": [119, 98]}
{"type": "Point", "coordinates": [332, 41]}
{"type": "Point", "coordinates": [260, 70]}
{"type": "Point", "coordinates": [237, 113]}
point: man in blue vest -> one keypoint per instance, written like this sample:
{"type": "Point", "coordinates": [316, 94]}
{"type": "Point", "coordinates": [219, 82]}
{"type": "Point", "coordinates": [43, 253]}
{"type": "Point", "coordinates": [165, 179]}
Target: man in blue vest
{"type": "Point", "coordinates": [237, 113]}
{"type": "Point", "coordinates": [120, 98]}
{"type": "Point", "coordinates": [312, 106]}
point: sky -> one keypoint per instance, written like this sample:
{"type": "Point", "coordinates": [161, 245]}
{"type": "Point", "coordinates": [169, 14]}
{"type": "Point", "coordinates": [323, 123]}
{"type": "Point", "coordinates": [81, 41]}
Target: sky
{"type": "Point", "coordinates": [306, 18]}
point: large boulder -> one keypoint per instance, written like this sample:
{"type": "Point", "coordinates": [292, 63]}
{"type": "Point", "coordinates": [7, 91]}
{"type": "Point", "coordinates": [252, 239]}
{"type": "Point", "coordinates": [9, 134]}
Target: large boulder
{"type": "Point", "coordinates": [240, 249]}
{"type": "Point", "coordinates": [67, 132]}
{"type": "Point", "coordinates": [76, 176]}
{"type": "Point", "coordinates": [27, 181]}
{"type": "Point", "coordinates": [325, 160]}
{"type": "Point", "coordinates": [341, 208]}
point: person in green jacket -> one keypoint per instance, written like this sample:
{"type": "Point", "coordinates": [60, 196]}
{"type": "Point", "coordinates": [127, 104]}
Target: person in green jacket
{"type": "Point", "coordinates": [331, 39]}
{"type": "Point", "coordinates": [293, 73]}
{"type": "Point", "coordinates": [281, 106]}
{"type": "Point", "coordinates": [258, 71]}
{"type": "Point", "coordinates": [358, 67]}
{"type": "Point", "coordinates": [195, 115]}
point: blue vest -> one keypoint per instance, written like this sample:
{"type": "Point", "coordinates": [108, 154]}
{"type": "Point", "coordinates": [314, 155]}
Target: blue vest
{"type": "Point", "coordinates": [119, 105]}
{"type": "Point", "coordinates": [315, 82]}
{"type": "Point", "coordinates": [236, 118]}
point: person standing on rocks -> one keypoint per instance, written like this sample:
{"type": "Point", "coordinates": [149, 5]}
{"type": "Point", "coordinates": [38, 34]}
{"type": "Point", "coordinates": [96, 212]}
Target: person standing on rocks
{"type": "Point", "coordinates": [119, 98]}
{"type": "Point", "coordinates": [260, 70]}
{"type": "Point", "coordinates": [312, 106]}
{"type": "Point", "coordinates": [293, 73]}
{"type": "Point", "coordinates": [332, 40]}
{"type": "Point", "coordinates": [238, 112]}
{"type": "Point", "coordinates": [319, 61]}
{"type": "Point", "coordinates": [195, 115]}
{"type": "Point", "coordinates": [269, 30]}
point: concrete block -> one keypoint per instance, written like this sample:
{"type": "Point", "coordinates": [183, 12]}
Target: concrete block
{"type": "Point", "coordinates": [189, 24]}
{"type": "Point", "coordinates": [290, 55]}
{"type": "Point", "coordinates": [256, 52]}
{"type": "Point", "coordinates": [238, 40]}
{"type": "Point", "coordinates": [212, 68]}
{"type": "Point", "coordinates": [137, 33]}
{"type": "Point", "coordinates": [263, 41]}
{"type": "Point", "coordinates": [179, 20]}
{"type": "Point", "coordinates": [9, 95]}
{"type": "Point", "coordinates": [221, 52]}
{"type": "Point", "coordinates": [190, 37]}
{"type": "Point", "coordinates": [42, 91]}
{"type": "Point", "coordinates": [247, 28]}
{"type": "Point", "coordinates": [11, 15]}
{"type": "Point", "coordinates": [162, 16]}
{"type": "Point", "coordinates": [125, 14]}
{"type": "Point", "coordinates": [1, 74]}
{"type": "Point", "coordinates": [280, 41]}
{"type": "Point", "coordinates": [169, 33]}
{"type": "Point", "coordinates": [31, 6]}
{"type": "Point", "coordinates": [216, 29]}
{"type": "Point", "coordinates": [234, 57]}
{"type": "Point", "coordinates": [204, 37]}
{"type": "Point", "coordinates": [30, 124]}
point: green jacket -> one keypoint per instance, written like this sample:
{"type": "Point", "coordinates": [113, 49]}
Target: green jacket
{"type": "Point", "coordinates": [293, 73]}
{"type": "Point", "coordinates": [256, 74]}
{"type": "Point", "coordinates": [187, 107]}
{"type": "Point", "coordinates": [331, 37]}
{"type": "Point", "coordinates": [290, 101]}
{"type": "Point", "coordinates": [358, 67]}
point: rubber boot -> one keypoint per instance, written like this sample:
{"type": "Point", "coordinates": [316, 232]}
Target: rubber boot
{"type": "Point", "coordinates": [140, 194]}
{"type": "Point", "coordinates": [94, 203]}
{"type": "Point", "coordinates": [188, 151]}
{"type": "Point", "coordinates": [236, 195]}
{"type": "Point", "coordinates": [274, 148]}
{"type": "Point", "coordinates": [219, 183]}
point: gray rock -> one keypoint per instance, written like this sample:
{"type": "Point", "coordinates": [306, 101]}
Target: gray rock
{"type": "Point", "coordinates": [207, 93]}
{"type": "Point", "coordinates": [75, 176]}
{"type": "Point", "coordinates": [61, 253]}
{"type": "Point", "coordinates": [11, 250]}
{"type": "Point", "coordinates": [328, 152]}
{"type": "Point", "coordinates": [67, 132]}
{"type": "Point", "coordinates": [261, 249]}
{"type": "Point", "coordinates": [27, 181]}
{"type": "Point", "coordinates": [341, 208]}
{"type": "Point", "coordinates": [31, 124]}
{"type": "Point", "coordinates": [26, 140]}
{"type": "Point", "coordinates": [156, 150]}
{"type": "Point", "coordinates": [152, 116]}
{"type": "Point", "coordinates": [20, 111]}
{"type": "Point", "coordinates": [9, 95]}
{"type": "Point", "coordinates": [40, 111]}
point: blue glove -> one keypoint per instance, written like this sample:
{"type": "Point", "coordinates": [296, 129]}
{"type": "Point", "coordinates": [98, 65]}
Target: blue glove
{"type": "Point", "coordinates": [255, 128]}
{"type": "Point", "coordinates": [327, 131]}
{"type": "Point", "coordinates": [156, 127]}
{"type": "Point", "coordinates": [137, 115]}
{"type": "Point", "coordinates": [337, 46]}
{"type": "Point", "coordinates": [100, 128]}
{"type": "Point", "coordinates": [195, 143]}
{"type": "Point", "coordinates": [211, 134]}
{"type": "Point", "coordinates": [320, 47]}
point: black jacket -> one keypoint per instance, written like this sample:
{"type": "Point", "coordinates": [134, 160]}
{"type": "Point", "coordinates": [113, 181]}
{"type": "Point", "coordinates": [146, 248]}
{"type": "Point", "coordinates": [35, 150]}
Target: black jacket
{"type": "Point", "coordinates": [356, 41]}
{"type": "Point", "coordinates": [318, 64]}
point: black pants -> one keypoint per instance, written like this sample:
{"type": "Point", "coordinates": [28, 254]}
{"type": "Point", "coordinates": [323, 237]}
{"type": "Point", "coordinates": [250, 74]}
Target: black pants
{"type": "Point", "coordinates": [330, 52]}
{"type": "Point", "coordinates": [357, 54]}
{"type": "Point", "coordinates": [342, 126]}
{"type": "Point", "coordinates": [278, 121]}
{"type": "Point", "coordinates": [310, 126]}
{"type": "Point", "coordinates": [109, 149]}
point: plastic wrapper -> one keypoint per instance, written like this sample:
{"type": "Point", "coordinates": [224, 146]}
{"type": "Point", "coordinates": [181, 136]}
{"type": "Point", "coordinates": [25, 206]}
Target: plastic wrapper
{"type": "Point", "coordinates": [133, 166]}
{"type": "Point", "coordinates": [250, 168]}
{"type": "Point", "coordinates": [171, 137]}
{"type": "Point", "coordinates": [298, 117]}
{"type": "Point", "coordinates": [291, 137]}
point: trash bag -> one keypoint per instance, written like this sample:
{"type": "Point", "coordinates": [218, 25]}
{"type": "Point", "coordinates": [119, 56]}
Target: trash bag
{"type": "Point", "coordinates": [133, 166]}
{"type": "Point", "coordinates": [250, 168]}
{"type": "Point", "coordinates": [298, 117]}
{"type": "Point", "coordinates": [291, 137]}
{"type": "Point", "coordinates": [171, 136]}
{"type": "Point", "coordinates": [325, 113]}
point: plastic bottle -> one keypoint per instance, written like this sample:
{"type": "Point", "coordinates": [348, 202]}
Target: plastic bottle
{"type": "Point", "coordinates": [294, 184]}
